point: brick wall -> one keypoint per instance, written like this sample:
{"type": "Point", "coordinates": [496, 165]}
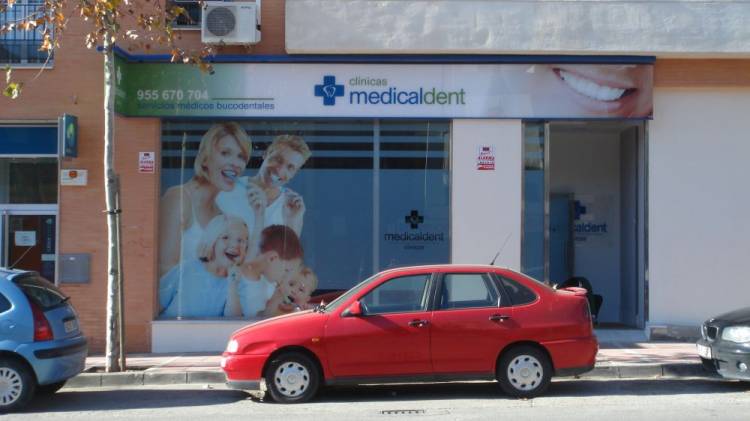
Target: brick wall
{"type": "Point", "coordinates": [74, 86]}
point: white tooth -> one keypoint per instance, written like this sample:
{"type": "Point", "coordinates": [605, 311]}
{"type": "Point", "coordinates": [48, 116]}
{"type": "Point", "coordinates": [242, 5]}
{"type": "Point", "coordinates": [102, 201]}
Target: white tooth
{"type": "Point", "coordinates": [590, 89]}
{"type": "Point", "coordinates": [603, 93]}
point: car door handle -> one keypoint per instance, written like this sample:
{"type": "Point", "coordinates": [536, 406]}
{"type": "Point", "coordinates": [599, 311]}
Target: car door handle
{"type": "Point", "coordinates": [418, 323]}
{"type": "Point", "coordinates": [499, 318]}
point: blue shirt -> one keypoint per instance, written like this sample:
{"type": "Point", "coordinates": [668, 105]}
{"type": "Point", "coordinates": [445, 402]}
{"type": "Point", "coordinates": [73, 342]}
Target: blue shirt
{"type": "Point", "coordinates": [189, 290]}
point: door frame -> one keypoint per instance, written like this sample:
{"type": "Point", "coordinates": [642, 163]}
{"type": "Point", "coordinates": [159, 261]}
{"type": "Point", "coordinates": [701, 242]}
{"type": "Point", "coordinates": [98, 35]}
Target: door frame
{"type": "Point", "coordinates": [8, 210]}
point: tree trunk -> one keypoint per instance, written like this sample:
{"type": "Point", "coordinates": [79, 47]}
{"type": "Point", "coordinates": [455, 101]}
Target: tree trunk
{"type": "Point", "coordinates": [111, 191]}
{"type": "Point", "coordinates": [120, 284]}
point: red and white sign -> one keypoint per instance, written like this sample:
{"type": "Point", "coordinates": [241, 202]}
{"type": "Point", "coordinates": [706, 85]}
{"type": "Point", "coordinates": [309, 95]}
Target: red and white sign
{"type": "Point", "coordinates": [71, 177]}
{"type": "Point", "coordinates": [146, 162]}
{"type": "Point", "coordinates": [486, 158]}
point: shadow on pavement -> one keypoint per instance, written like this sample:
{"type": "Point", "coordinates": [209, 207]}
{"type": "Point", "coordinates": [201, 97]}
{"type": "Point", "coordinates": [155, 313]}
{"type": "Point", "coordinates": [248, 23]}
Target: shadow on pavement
{"type": "Point", "coordinates": [558, 388]}
{"type": "Point", "coordinates": [136, 398]}
{"type": "Point", "coordinates": [148, 398]}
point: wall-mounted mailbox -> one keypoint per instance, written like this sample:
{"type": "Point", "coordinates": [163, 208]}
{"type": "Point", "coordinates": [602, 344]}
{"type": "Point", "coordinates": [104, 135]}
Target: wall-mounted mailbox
{"type": "Point", "coordinates": [75, 268]}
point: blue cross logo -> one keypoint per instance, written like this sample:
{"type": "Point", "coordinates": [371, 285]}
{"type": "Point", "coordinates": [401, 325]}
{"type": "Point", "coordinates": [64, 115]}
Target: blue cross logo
{"type": "Point", "coordinates": [329, 90]}
{"type": "Point", "coordinates": [579, 209]}
{"type": "Point", "coordinates": [414, 219]}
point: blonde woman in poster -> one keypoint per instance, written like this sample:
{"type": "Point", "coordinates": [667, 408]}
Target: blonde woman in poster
{"type": "Point", "coordinates": [186, 209]}
{"type": "Point", "coordinates": [281, 161]}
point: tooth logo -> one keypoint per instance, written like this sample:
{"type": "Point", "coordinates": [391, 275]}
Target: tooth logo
{"type": "Point", "coordinates": [329, 90]}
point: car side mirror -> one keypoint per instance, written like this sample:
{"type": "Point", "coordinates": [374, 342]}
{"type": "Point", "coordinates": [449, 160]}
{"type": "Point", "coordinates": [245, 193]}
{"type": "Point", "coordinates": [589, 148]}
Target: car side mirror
{"type": "Point", "coordinates": [354, 310]}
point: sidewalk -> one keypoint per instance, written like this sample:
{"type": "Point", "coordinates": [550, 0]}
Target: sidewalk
{"type": "Point", "coordinates": [616, 359]}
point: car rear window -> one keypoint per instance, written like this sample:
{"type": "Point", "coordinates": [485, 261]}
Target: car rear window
{"type": "Point", "coordinates": [4, 304]}
{"type": "Point", "coordinates": [40, 291]}
{"type": "Point", "coordinates": [518, 293]}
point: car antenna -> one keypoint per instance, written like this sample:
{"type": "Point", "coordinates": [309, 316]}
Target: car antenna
{"type": "Point", "coordinates": [492, 263]}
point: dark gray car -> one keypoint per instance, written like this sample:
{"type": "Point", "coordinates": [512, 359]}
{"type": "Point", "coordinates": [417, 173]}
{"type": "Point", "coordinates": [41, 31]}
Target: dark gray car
{"type": "Point", "coordinates": [725, 344]}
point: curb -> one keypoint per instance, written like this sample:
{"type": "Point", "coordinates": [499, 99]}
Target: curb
{"type": "Point", "coordinates": [648, 371]}
{"type": "Point", "coordinates": [145, 378]}
{"type": "Point", "coordinates": [160, 378]}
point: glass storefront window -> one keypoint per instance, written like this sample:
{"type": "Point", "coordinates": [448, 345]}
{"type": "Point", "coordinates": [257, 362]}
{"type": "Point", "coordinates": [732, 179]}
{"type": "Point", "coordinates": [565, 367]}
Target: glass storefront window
{"type": "Point", "coordinates": [28, 180]}
{"type": "Point", "coordinates": [340, 200]}
{"type": "Point", "coordinates": [414, 193]}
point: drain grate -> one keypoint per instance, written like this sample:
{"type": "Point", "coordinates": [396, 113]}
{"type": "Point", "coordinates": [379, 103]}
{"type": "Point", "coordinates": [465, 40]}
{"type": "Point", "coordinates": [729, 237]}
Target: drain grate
{"type": "Point", "coordinates": [402, 412]}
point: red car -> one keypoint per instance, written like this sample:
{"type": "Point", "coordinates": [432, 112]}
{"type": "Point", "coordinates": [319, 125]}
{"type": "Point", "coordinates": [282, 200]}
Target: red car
{"type": "Point", "coordinates": [426, 323]}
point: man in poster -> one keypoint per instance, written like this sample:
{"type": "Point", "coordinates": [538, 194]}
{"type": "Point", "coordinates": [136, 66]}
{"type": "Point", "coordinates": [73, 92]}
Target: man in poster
{"type": "Point", "coordinates": [281, 161]}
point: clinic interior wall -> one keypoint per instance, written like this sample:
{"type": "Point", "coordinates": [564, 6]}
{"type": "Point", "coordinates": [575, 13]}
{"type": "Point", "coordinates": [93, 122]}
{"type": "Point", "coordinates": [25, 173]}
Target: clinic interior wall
{"type": "Point", "coordinates": [699, 231]}
{"type": "Point", "coordinates": [586, 163]}
{"type": "Point", "coordinates": [486, 205]}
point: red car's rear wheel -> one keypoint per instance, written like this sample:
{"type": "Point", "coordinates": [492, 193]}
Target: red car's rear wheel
{"type": "Point", "coordinates": [524, 372]}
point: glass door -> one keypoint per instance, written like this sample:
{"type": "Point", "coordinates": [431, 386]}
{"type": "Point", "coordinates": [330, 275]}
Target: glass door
{"type": "Point", "coordinates": [29, 240]}
{"type": "Point", "coordinates": [584, 211]}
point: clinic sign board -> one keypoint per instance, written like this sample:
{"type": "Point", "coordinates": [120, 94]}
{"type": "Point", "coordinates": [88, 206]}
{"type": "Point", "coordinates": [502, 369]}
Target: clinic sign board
{"type": "Point", "coordinates": [318, 90]}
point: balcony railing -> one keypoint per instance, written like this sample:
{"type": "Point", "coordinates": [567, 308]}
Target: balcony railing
{"type": "Point", "coordinates": [19, 46]}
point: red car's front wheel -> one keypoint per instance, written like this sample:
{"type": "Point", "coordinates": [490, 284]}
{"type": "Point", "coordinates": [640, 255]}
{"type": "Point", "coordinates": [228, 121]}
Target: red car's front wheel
{"type": "Point", "coordinates": [292, 378]}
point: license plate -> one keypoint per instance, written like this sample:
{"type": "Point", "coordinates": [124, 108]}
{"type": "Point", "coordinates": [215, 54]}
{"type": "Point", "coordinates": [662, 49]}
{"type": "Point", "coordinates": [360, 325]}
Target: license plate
{"type": "Point", "coordinates": [71, 326]}
{"type": "Point", "coordinates": [704, 351]}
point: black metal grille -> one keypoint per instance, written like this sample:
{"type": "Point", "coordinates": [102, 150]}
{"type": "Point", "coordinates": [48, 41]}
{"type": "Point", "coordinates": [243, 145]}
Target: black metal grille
{"type": "Point", "coordinates": [712, 332]}
{"type": "Point", "coordinates": [220, 21]}
{"type": "Point", "coordinates": [20, 46]}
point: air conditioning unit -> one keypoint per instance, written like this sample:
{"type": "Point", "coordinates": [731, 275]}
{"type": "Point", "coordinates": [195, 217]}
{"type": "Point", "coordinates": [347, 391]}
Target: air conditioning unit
{"type": "Point", "coordinates": [230, 22]}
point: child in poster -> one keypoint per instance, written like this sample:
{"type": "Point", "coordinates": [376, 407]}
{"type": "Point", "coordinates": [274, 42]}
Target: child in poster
{"type": "Point", "coordinates": [293, 293]}
{"type": "Point", "coordinates": [279, 258]}
{"type": "Point", "coordinates": [198, 287]}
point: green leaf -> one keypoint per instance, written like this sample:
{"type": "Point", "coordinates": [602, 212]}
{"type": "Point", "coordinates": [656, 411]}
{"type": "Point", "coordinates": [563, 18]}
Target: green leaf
{"type": "Point", "coordinates": [13, 90]}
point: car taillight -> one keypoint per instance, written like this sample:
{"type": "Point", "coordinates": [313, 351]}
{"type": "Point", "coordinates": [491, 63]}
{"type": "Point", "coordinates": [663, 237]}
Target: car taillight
{"type": "Point", "coordinates": [42, 329]}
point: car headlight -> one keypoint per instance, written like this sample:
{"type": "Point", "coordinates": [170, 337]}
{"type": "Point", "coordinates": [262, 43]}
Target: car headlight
{"type": "Point", "coordinates": [233, 346]}
{"type": "Point", "coordinates": [739, 334]}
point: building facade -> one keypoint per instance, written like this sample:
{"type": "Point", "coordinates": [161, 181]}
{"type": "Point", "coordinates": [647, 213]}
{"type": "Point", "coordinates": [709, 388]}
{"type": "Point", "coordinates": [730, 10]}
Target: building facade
{"type": "Point", "coordinates": [565, 138]}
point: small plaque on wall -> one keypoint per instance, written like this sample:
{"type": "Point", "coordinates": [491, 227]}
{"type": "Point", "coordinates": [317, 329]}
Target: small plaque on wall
{"type": "Point", "coordinates": [73, 177]}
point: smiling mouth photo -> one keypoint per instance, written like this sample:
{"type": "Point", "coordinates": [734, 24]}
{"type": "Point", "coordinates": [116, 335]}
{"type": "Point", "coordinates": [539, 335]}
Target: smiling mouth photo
{"type": "Point", "coordinates": [232, 256]}
{"type": "Point", "coordinates": [591, 89]}
{"type": "Point", "coordinates": [275, 179]}
{"type": "Point", "coordinates": [230, 174]}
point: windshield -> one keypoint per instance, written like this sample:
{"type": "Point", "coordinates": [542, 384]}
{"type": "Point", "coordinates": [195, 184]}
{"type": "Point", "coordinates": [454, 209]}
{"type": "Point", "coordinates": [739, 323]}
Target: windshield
{"type": "Point", "coordinates": [345, 296]}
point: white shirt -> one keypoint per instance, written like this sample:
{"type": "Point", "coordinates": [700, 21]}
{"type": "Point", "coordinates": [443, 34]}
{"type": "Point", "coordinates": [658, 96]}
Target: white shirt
{"type": "Point", "coordinates": [254, 295]}
{"type": "Point", "coordinates": [235, 203]}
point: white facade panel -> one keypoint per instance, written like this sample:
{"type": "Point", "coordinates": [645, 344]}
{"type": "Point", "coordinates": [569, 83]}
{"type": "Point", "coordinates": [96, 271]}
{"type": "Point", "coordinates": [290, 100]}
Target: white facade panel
{"type": "Point", "coordinates": [668, 27]}
{"type": "Point", "coordinates": [193, 335]}
{"type": "Point", "coordinates": [699, 230]}
{"type": "Point", "coordinates": [486, 204]}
